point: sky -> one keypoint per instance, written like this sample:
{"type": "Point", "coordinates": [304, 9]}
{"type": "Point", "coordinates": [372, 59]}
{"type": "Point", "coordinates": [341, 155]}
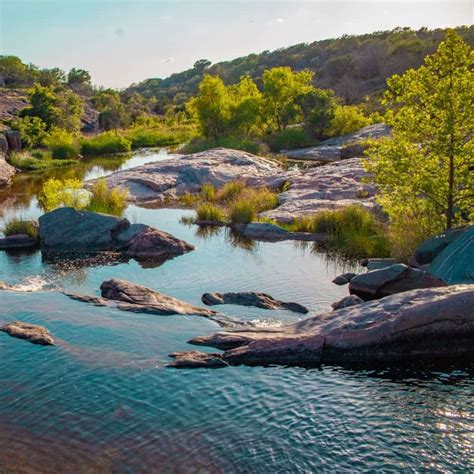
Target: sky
{"type": "Point", "coordinates": [123, 41]}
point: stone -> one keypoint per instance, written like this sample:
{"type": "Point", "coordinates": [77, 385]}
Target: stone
{"type": "Point", "coordinates": [13, 139]}
{"type": "Point", "coordinates": [389, 280]}
{"type": "Point", "coordinates": [248, 298]}
{"type": "Point", "coordinates": [455, 263]}
{"type": "Point", "coordinates": [128, 296]}
{"type": "Point", "coordinates": [68, 230]}
{"type": "Point", "coordinates": [422, 324]}
{"type": "Point", "coordinates": [31, 332]}
{"type": "Point", "coordinates": [352, 150]}
{"type": "Point", "coordinates": [379, 263]}
{"type": "Point", "coordinates": [350, 300]}
{"type": "Point", "coordinates": [344, 279]}
{"type": "Point", "coordinates": [18, 241]}
{"type": "Point", "coordinates": [6, 171]}
{"type": "Point", "coordinates": [430, 248]}
{"type": "Point", "coordinates": [196, 359]}
{"type": "Point", "coordinates": [268, 232]}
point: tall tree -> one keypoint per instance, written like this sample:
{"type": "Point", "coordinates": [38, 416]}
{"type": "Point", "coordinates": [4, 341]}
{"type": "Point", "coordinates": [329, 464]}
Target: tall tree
{"type": "Point", "coordinates": [428, 163]}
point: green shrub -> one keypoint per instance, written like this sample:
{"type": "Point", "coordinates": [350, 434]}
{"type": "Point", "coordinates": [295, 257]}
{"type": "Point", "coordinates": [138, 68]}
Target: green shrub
{"type": "Point", "coordinates": [32, 130]}
{"type": "Point", "coordinates": [347, 119]}
{"type": "Point", "coordinates": [36, 160]}
{"type": "Point", "coordinates": [234, 143]}
{"type": "Point", "coordinates": [209, 192]}
{"type": "Point", "coordinates": [104, 144]}
{"type": "Point", "coordinates": [210, 212]}
{"type": "Point", "coordinates": [242, 212]}
{"type": "Point", "coordinates": [230, 190]}
{"type": "Point", "coordinates": [146, 136]}
{"type": "Point", "coordinates": [263, 199]}
{"type": "Point", "coordinates": [290, 139]}
{"type": "Point", "coordinates": [107, 200]}
{"type": "Point", "coordinates": [62, 144]}
{"type": "Point", "coordinates": [17, 226]}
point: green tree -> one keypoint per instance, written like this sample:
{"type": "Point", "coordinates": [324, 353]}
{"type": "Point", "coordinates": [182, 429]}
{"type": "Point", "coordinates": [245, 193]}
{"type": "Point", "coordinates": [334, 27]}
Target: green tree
{"type": "Point", "coordinates": [426, 167]}
{"type": "Point", "coordinates": [78, 76]}
{"type": "Point", "coordinates": [281, 87]}
{"type": "Point", "coordinates": [318, 107]}
{"type": "Point", "coordinates": [246, 106]}
{"type": "Point", "coordinates": [112, 113]}
{"type": "Point", "coordinates": [32, 130]}
{"type": "Point", "coordinates": [212, 107]}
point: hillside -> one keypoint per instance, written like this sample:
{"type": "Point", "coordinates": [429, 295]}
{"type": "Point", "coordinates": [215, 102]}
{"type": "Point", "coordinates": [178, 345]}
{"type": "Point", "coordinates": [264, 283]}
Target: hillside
{"type": "Point", "coordinates": [353, 66]}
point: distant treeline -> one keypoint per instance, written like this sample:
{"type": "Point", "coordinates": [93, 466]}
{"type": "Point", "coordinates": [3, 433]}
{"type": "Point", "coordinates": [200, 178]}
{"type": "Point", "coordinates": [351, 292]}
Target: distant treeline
{"type": "Point", "coordinates": [355, 67]}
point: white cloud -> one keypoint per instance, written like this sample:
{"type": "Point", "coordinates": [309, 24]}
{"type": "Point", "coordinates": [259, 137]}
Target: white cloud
{"type": "Point", "coordinates": [279, 20]}
{"type": "Point", "coordinates": [168, 60]}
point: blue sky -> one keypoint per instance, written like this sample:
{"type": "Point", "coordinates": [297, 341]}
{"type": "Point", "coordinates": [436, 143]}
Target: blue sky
{"type": "Point", "coordinates": [121, 41]}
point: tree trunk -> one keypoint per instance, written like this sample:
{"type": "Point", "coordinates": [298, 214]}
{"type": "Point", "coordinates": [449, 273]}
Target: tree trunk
{"type": "Point", "coordinates": [450, 209]}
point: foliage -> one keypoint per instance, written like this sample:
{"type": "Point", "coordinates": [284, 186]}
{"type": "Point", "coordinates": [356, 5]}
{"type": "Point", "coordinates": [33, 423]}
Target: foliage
{"type": "Point", "coordinates": [32, 130]}
{"type": "Point", "coordinates": [209, 212]}
{"type": "Point", "coordinates": [107, 200]}
{"type": "Point", "coordinates": [347, 119]}
{"type": "Point", "coordinates": [104, 144]}
{"type": "Point", "coordinates": [289, 139]}
{"type": "Point", "coordinates": [242, 212]}
{"type": "Point", "coordinates": [233, 143]}
{"type": "Point", "coordinates": [71, 193]}
{"type": "Point", "coordinates": [142, 136]}
{"type": "Point", "coordinates": [112, 113]}
{"type": "Point", "coordinates": [230, 191]}
{"type": "Point", "coordinates": [209, 192]}
{"type": "Point", "coordinates": [16, 226]}
{"type": "Point", "coordinates": [426, 166]}
{"type": "Point", "coordinates": [36, 160]}
{"type": "Point", "coordinates": [63, 145]}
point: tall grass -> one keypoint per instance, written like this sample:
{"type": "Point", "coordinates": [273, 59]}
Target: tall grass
{"type": "Point", "coordinates": [290, 139]}
{"type": "Point", "coordinates": [143, 136]}
{"type": "Point", "coordinates": [242, 212]}
{"type": "Point", "coordinates": [107, 200]}
{"type": "Point", "coordinates": [16, 226]}
{"type": "Point", "coordinates": [234, 143]}
{"type": "Point", "coordinates": [36, 160]}
{"type": "Point", "coordinates": [104, 144]}
{"type": "Point", "coordinates": [210, 213]}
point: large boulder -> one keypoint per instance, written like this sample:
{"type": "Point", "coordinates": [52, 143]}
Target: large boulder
{"type": "Point", "coordinates": [250, 298]}
{"type": "Point", "coordinates": [6, 170]}
{"type": "Point", "coordinates": [423, 324]}
{"type": "Point", "coordinates": [455, 263]}
{"type": "Point", "coordinates": [430, 248]}
{"type": "Point", "coordinates": [68, 230]}
{"type": "Point", "coordinates": [31, 332]}
{"type": "Point", "coordinates": [390, 280]}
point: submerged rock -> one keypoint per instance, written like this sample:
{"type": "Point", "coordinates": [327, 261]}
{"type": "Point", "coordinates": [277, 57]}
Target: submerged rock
{"type": "Point", "coordinates": [18, 241]}
{"type": "Point", "coordinates": [31, 332]}
{"type": "Point", "coordinates": [432, 323]}
{"type": "Point", "coordinates": [248, 298]}
{"type": "Point", "coordinates": [68, 230]}
{"type": "Point", "coordinates": [196, 359]}
{"type": "Point", "coordinates": [268, 232]}
{"type": "Point", "coordinates": [350, 300]}
{"type": "Point", "coordinates": [344, 279]}
{"type": "Point", "coordinates": [128, 296]}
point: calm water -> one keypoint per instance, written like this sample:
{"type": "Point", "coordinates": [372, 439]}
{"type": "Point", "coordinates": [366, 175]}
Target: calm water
{"type": "Point", "coordinates": [102, 400]}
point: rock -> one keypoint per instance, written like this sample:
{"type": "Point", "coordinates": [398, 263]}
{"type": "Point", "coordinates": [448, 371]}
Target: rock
{"type": "Point", "coordinates": [18, 241]}
{"type": "Point", "coordinates": [350, 300]}
{"type": "Point", "coordinates": [68, 230]}
{"type": "Point", "coordinates": [164, 180]}
{"type": "Point", "coordinates": [390, 280]}
{"type": "Point", "coordinates": [247, 298]}
{"type": "Point", "coordinates": [379, 263]}
{"type": "Point", "coordinates": [330, 186]}
{"type": "Point", "coordinates": [267, 232]}
{"type": "Point", "coordinates": [31, 332]}
{"type": "Point", "coordinates": [6, 171]}
{"type": "Point", "coordinates": [343, 147]}
{"type": "Point", "coordinates": [455, 263]}
{"type": "Point", "coordinates": [13, 139]}
{"type": "Point", "coordinates": [344, 279]}
{"type": "Point", "coordinates": [422, 324]}
{"type": "Point", "coordinates": [429, 249]}
{"type": "Point", "coordinates": [196, 359]}
{"type": "Point", "coordinates": [128, 296]}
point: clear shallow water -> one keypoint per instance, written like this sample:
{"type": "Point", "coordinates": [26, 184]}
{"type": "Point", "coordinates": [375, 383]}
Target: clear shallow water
{"type": "Point", "coordinates": [102, 400]}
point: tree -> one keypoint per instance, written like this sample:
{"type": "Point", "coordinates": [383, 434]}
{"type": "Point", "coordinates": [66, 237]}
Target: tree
{"type": "Point", "coordinates": [212, 107]}
{"type": "Point", "coordinates": [427, 165]}
{"type": "Point", "coordinates": [32, 130]}
{"type": "Point", "coordinates": [318, 108]}
{"type": "Point", "coordinates": [246, 105]}
{"type": "Point", "coordinates": [112, 113]}
{"type": "Point", "coordinates": [281, 87]}
{"type": "Point", "coordinates": [78, 76]}
{"type": "Point", "coordinates": [202, 64]}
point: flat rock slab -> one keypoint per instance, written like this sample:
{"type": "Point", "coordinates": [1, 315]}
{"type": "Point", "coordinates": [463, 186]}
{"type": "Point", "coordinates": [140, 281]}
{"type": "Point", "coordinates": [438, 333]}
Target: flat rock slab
{"type": "Point", "coordinates": [128, 296]}
{"type": "Point", "coordinates": [68, 230]}
{"type": "Point", "coordinates": [268, 232]}
{"type": "Point", "coordinates": [248, 298]}
{"type": "Point", "coordinates": [197, 360]}
{"type": "Point", "coordinates": [31, 332]}
{"type": "Point", "coordinates": [432, 323]}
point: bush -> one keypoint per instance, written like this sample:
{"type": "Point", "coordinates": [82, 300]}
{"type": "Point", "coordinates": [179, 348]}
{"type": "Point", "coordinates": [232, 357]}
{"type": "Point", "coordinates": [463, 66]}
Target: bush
{"type": "Point", "coordinates": [234, 143]}
{"type": "Point", "coordinates": [17, 226]}
{"type": "Point", "coordinates": [210, 212]}
{"type": "Point", "coordinates": [32, 130]}
{"type": "Point", "coordinates": [145, 136]}
{"type": "Point", "coordinates": [242, 212]}
{"type": "Point", "coordinates": [104, 144]}
{"type": "Point", "coordinates": [36, 160]}
{"type": "Point", "coordinates": [209, 192]}
{"type": "Point", "coordinates": [347, 119]}
{"type": "Point", "coordinates": [62, 144]}
{"type": "Point", "coordinates": [302, 224]}
{"type": "Point", "coordinates": [290, 139]}
{"type": "Point", "coordinates": [231, 190]}
{"type": "Point", "coordinates": [107, 200]}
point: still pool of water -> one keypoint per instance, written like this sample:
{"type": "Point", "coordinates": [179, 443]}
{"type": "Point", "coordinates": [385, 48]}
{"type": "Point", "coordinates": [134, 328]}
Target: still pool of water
{"type": "Point", "coordinates": [102, 400]}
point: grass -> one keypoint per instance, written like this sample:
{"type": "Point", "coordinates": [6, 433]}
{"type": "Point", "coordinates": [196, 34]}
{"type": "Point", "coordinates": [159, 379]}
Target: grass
{"type": "Point", "coordinates": [17, 226]}
{"type": "Point", "coordinates": [36, 160]}
{"type": "Point", "coordinates": [146, 136]}
{"type": "Point", "coordinates": [107, 200]}
{"type": "Point", "coordinates": [235, 143]}
{"type": "Point", "coordinates": [104, 144]}
{"type": "Point", "coordinates": [290, 139]}
{"type": "Point", "coordinates": [210, 212]}
{"type": "Point", "coordinates": [242, 211]}
{"type": "Point", "coordinates": [352, 231]}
